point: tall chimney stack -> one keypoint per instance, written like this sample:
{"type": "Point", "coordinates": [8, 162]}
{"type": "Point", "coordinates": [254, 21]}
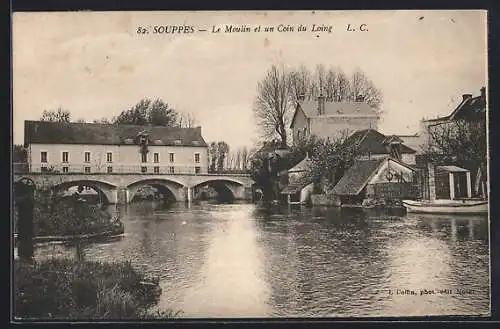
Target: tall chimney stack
{"type": "Point", "coordinates": [321, 104]}
{"type": "Point", "coordinates": [483, 92]}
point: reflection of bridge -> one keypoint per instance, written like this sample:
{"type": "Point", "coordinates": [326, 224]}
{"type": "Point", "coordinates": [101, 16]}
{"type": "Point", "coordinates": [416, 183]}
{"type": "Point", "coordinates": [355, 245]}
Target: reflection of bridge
{"type": "Point", "coordinates": [121, 187]}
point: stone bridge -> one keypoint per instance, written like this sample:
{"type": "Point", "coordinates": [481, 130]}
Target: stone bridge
{"type": "Point", "coordinates": [121, 187]}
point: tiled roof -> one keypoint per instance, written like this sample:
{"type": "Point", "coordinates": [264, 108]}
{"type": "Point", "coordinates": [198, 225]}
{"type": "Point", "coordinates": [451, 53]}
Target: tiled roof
{"type": "Point", "coordinates": [44, 132]}
{"type": "Point", "coordinates": [310, 108]}
{"type": "Point", "coordinates": [356, 177]}
{"type": "Point", "coordinates": [372, 141]}
{"type": "Point", "coordinates": [301, 166]}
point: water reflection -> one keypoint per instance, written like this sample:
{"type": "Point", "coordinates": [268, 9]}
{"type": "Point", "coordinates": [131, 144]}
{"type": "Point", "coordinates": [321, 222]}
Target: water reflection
{"type": "Point", "coordinates": [236, 260]}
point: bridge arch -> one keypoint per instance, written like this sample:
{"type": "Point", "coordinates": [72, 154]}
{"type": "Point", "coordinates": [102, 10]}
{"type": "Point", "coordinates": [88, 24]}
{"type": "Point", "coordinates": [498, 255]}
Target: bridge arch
{"type": "Point", "coordinates": [105, 190]}
{"type": "Point", "coordinates": [171, 189]}
{"type": "Point", "coordinates": [227, 189]}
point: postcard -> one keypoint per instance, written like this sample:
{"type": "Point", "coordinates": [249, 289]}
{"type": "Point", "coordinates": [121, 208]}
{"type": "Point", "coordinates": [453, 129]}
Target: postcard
{"type": "Point", "coordinates": [250, 164]}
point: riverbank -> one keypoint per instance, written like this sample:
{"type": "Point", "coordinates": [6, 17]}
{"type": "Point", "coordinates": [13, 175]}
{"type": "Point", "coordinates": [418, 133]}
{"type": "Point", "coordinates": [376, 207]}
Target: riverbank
{"type": "Point", "coordinates": [65, 289]}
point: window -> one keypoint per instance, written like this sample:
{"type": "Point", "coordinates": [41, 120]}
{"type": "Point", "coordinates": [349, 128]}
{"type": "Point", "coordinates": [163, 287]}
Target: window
{"type": "Point", "coordinates": [44, 169]}
{"type": "Point", "coordinates": [87, 157]}
{"type": "Point", "coordinates": [197, 170]}
{"type": "Point", "coordinates": [171, 156]}
{"type": "Point", "coordinates": [171, 170]}
{"type": "Point", "coordinates": [109, 157]}
{"type": "Point", "coordinates": [65, 170]}
{"type": "Point", "coordinates": [144, 157]}
{"type": "Point", "coordinates": [197, 157]}
{"type": "Point", "coordinates": [65, 157]}
{"type": "Point", "coordinates": [87, 170]}
{"type": "Point", "coordinates": [156, 157]}
{"type": "Point", "coordinates": [43, 157]}
{"type": "Point", "coordinates": [144, 169]}
{"type": "Point", "coordinates": [156, 169]}
{"type": "Point", "coordinates": [110, 170]}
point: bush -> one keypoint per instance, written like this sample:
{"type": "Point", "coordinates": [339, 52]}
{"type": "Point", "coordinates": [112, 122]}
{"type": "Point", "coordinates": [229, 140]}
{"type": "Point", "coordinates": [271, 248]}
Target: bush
{"type": "Point", "coordinates": [53, 216]}
{"type": "Point", "coordinates": [68, 289]}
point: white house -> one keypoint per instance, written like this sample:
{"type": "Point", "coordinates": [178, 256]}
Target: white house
{"type": "Point", "coordinates": [71, 147]}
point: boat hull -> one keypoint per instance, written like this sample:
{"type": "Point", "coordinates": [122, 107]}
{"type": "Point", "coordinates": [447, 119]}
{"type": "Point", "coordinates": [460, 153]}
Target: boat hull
{"type": "Point", "coordinates": [446, 207]}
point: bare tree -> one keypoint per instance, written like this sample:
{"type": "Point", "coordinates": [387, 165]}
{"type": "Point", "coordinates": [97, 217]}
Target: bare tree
{"type": "Point", "coordinates": [244, 158]}
{"type": "Point", "coordinates": [272, 104]}
{"type": "Point", "coordinates": [361, 85]}
{"type": "Point", "coordinates": [237, 160]}
{"type": "Point", "coordinates": [318, 85]}
{"type": "Point", "coordinates": [460, 142]}
{"type": "Point", "coordinates": [300, 82]}
{"type": "Point", "coordinates": [187, 120]}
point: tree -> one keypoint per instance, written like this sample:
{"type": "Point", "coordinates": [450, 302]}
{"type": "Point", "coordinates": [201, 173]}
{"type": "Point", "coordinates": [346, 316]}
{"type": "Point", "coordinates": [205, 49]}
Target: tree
{"type": "Point", "coordinates": [222, 151]}
{"type": "Point", "coordinates": [19, 154]}
{"type": "Point", "coordinates": [187, 120]}
{"type": "Point", "coordinates": [273, 104]}
{"type": "Point", "coordinates": [462, 143]}
{"type": "Point", "coordinates": [59, 115]}
{"type": "Point", "coordinates": [244, 158]}
{"type": "Point", "coordinates": [361, 85]}
{"type": "Point", "coordinates": [330, 160]}
{"type": "Point", "coordinates": [147, 111]}
{"type": "Point", "coordinates": [213, 154]}
{"type": "Point", "coordinates": [279, 91]}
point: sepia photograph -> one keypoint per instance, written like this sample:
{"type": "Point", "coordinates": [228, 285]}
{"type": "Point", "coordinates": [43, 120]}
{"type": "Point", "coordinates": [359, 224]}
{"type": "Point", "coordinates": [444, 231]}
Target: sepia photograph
{"type": "Point", "coordinates": [249, 164]}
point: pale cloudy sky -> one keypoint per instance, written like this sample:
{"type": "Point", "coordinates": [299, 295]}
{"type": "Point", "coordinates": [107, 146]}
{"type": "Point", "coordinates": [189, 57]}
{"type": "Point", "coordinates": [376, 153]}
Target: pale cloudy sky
{"type": "Point", "coordinates": [95, 65]}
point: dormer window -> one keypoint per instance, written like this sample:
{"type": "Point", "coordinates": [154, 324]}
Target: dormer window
{"type": "Point", "coordinates": [158, 141]}
{"type": "Point", "coordinates": [177, 142]}
{"type": "Point", "coordinates": [129, 141]}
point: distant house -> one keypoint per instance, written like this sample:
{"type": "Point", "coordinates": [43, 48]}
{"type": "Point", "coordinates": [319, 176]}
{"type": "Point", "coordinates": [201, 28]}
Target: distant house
{"type": "Point", "coordinates": [71, 147]}
{"type": "Point", "coordinates": [329, 119]}
{"type": "Point", "coordinates": [300, 186]}
{"type": "Point", "coordinates": [469, 109]}
{"type": "Point", "coordinates": [371, 144]}
{"type": "Point", "coordinates": [377, 178]}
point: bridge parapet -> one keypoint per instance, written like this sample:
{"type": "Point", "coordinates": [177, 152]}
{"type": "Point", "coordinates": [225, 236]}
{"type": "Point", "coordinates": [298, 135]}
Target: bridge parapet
{"type": "Point", "coordinates": [118, 186]}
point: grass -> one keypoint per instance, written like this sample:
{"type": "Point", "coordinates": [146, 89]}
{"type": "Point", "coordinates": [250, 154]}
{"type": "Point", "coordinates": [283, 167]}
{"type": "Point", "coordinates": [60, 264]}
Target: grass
{"type": "Point", "coordinates": [65, 289]}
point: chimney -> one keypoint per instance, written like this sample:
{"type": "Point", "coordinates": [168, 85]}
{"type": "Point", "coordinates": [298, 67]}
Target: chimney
{"type": "Point", "coordinates": [483, 92]}
{"type": "Point", "coordinates": [466, 97]}
{"type": "Point", "coordinates": [321, 104]}
{"type": "Point", "coordinates": [360, 98]}
{"type": "Point", "coordinates": [301, 97]}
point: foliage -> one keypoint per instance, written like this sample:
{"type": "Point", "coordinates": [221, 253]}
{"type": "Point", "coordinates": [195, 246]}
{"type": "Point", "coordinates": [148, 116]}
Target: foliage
{"type": "Point", "coordinates": [59, 115]}
{"type": "Point", "coordinates": [67, 216]}
{"type": "Point", "coordinates": [218, 155]}
{"type": "Point", "coordinates": [147, 111]}
{"type": "Point", "coordinates": [280, 89]}
{"type": "Point", "coordinates": [72, 290]}
{"type": "Point", "coordinates": [330, 160]}
{"type": "Point", "coordinates": [19, 154]}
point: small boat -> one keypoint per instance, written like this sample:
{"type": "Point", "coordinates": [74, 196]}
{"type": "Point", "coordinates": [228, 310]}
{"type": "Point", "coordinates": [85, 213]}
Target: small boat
{"type": "Point", "coordinates": [447, 206]}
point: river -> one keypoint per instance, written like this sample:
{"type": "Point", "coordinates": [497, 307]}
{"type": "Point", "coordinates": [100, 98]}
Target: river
{"type": "Point", "coordinates": [244, 260]}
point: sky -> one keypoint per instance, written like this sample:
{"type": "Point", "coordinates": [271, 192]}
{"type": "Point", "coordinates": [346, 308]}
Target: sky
{"type": "Point", "coordinates": [96, 65]}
